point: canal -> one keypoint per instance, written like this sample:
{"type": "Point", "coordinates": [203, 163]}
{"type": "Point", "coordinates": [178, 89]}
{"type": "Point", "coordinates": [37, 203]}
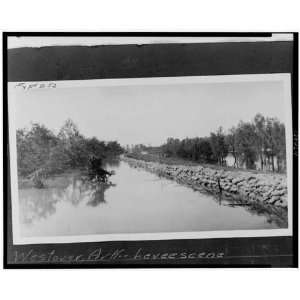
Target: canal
{"type": "Point", "coordinates": [136, 202]}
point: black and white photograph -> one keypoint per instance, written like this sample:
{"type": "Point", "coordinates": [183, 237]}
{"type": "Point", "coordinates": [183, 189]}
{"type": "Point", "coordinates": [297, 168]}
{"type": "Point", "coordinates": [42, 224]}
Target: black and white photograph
{"type": "Point", "coordinates": [151, 158]}
{"type": "Point", "coordinates": [150, 151]}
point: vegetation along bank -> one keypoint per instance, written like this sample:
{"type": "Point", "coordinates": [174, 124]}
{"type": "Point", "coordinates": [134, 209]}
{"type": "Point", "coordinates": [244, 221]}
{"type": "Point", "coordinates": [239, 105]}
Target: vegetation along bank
{"type": "Point", "coordinates": [42, 154]}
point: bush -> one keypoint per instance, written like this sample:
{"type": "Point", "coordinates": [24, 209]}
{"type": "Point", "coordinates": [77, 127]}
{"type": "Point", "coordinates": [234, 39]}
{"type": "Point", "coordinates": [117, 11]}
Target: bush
{"type": "Point", "coordinates": [39, 148]}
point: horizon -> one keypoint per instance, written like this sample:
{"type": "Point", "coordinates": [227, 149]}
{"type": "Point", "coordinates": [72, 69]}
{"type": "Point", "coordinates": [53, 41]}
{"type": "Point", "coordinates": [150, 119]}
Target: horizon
{"type": "Point", "coordinates": [145, 144]}
{"type": "Point", "coordinates": [149, 114]}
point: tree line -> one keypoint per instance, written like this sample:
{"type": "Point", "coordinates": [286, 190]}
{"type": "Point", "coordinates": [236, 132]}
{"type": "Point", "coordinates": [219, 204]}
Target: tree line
{"type": "Point", "coordinates": [256, 144]}
{"type": "Point", "coordinates": [40, 148]}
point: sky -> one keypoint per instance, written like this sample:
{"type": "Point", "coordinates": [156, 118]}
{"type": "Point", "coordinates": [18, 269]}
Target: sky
{"type": "Point", "coordinates": [149, 114]}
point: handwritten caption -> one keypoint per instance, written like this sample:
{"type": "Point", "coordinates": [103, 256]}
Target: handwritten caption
{"type": "Point", "coordinates": [98, 255]}
{"type": "Point", "coordinates": [35, 85]}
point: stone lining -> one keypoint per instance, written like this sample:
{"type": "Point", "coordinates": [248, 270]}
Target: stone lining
{"type": "Point", "coordinates": [246, 186]}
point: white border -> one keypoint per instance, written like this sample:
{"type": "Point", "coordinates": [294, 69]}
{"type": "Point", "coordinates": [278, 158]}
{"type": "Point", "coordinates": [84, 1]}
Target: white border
{"type": "Point", "coordinates": [12, 96]}
{"type": "Point", "coordinates": [42, 41]}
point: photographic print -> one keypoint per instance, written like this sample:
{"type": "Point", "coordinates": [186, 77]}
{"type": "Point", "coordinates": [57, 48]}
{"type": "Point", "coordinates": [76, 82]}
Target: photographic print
{"type": "Point", "coordinates": [151, 158]}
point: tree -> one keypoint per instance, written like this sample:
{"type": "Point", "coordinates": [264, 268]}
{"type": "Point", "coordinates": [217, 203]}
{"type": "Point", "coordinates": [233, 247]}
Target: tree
{"type": "Point", "coordinates": [245, 144]}
{"type": "Point", "coordinates": [171, 147]}
{"type": "Point", "coordinates": [275, 142]}
{"type": "Point", "coordinates": [33, 148]}
{"type": "Point", "coordinates": [68, 131]}
{"type": "Point", "coordinates": [280, 145]}
{"type": "Point", "coordinates": [39, 150]}
{"type": "Point", "coordinates": [113, 148]}
{"type": "Point", "coordinates": [219, 146]}
{"type": "Point", "coordinates": [23, 148]}
{"type": "Point", "coordinates": [73, 143]}
{"type": "Point", "coordinates": [262, 139]}
{"type": "Point", "coordinates": [205, 151]}
{"type": "Point", "coordinates": [260, 142]}
{"type": "Point", "coordinates": [231, 141]}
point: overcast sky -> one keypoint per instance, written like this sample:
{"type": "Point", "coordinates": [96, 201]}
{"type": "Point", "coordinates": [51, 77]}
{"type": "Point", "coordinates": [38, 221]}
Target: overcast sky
{"type": "Point", "coordinates": [150, 114]}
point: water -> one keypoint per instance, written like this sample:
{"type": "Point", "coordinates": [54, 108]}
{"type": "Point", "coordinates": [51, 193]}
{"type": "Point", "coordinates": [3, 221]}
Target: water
{"type": "Point", "coordinates": [136, 202]}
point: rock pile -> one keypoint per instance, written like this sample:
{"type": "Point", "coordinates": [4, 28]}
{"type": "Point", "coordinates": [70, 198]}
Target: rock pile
{"type": "Point", "coordinates": [246, 186]}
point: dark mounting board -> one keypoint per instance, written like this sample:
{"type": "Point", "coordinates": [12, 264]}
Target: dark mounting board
{"type": "Point", "coordinates": [151, 60]}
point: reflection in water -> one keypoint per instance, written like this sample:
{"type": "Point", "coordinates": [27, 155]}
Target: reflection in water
{"type": "Point", "coordinates": [272, 214]}
{"type": "Point", "coordinates": [98, 195]}
{"type": "Point", "coordinates": [33, 208]}
{"type": "Point", "coordinates": [41, 203]}
{"type": "Point", "coordinates": [136, 202]}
